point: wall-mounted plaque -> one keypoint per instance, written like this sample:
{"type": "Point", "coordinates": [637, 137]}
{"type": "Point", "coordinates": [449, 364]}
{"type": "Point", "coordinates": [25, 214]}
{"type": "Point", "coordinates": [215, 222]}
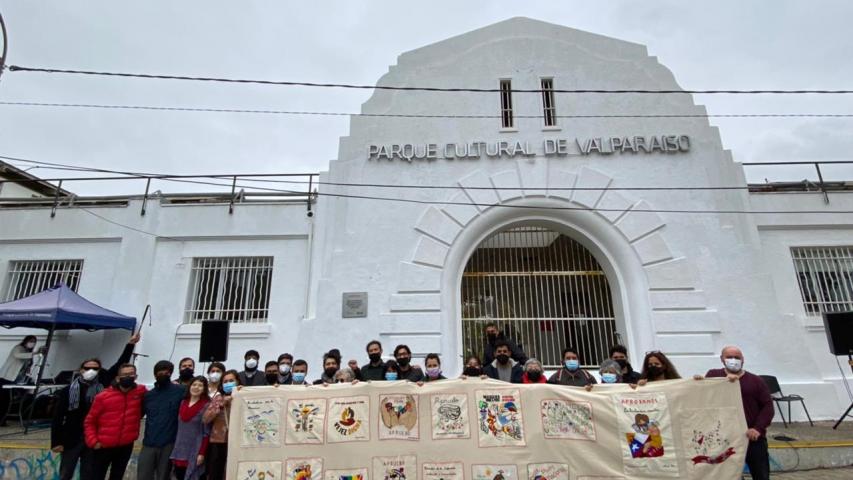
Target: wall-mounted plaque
{"type": "Point", "coordinates": [354, 304]}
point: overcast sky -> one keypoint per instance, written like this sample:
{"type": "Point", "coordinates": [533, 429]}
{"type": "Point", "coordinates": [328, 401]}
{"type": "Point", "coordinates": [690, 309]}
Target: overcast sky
{"type": "Point", "coordinates": [708, 45]}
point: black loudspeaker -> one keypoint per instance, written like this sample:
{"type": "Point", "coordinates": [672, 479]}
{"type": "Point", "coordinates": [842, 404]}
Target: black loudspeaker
{"type": "Point", "coordinates": [839, 332]}
{"type": "Point", "coordinates": [214, 341]}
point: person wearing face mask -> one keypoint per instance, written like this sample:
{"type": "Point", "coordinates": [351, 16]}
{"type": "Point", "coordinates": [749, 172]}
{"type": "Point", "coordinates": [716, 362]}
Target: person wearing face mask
{"type": "Point", "coordinates": [112, 424]}
{"type": "Point", "coordinates": [571, 374]}
{"type": "Point", "coordinates": [331, 365]}
{"type": "Point", "coordinates": [214, 378]}
{"type": "Point", "coordinates": [432, 364]}
{"type": "Point", "coordinates": [72, 405]}
{"type": "Point", "coordinates": [216, 416]}
{"type": "Point", "coordinates": [299, 372]}
{"type": "Point", "coordinates": [504, 367]}
{"type": "Point", "coordinates": [160, 407]}
{"type": "Point", "coordinates": [533, 372]}
{"type": "Point", "coordinates": [271, 373]}
{"type": "Point", "coordinates": [473, 367]}
{"type": "Point", "coordinates": [610, 372]}
{"type": "Point", "coordinates": [374, 369]}
{"type": "Point", "coordinates": [345, 375]}
{"type": "Point", "coordinates": [186, 371]}
{"type": "Point", "coordinates": [285, 366]}
{"type": "Point", "coordinates": [251, 377]}
{"type": "Point", "coordinates": [757, 407]}
{"type": "Point", "coordinates": [405, 369]}
{"type": "Point", "coordinates": [391, 371]}
{"type": "Point", "coordinates": [619, 354]}
{"type": "Point", "coordinates": [493, 336]}
{"type": "Point", "coordinates": [657, 367]}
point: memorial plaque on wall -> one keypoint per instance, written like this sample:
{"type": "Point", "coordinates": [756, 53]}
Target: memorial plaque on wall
{"type": "Point", "coordinates": [354, 304]}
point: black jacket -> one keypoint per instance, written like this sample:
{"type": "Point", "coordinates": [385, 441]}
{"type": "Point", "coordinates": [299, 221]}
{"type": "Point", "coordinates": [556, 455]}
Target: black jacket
{"type": "Point", "coordinates": [516, 352]}
{"type": "Point", "coordinates": [67, 426]}
{"type": "Point", "coordinates": [630, 376]}
{"type": "Point", "coordinates": [369, 372]}
{"type": "Point", "coordinates": [516, 374]}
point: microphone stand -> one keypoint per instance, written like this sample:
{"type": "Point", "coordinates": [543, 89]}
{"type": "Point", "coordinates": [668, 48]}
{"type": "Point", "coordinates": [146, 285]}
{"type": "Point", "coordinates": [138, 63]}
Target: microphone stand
{"type": "Point", "coordinates": [846, 412]}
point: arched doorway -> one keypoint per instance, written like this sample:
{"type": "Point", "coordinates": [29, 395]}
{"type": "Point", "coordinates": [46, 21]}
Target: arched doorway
{"type": "Point", "coordinates": [544, 289]}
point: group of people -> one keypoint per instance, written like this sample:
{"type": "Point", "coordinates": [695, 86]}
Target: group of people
{"type": "Point", "coordinates": [97, 417]}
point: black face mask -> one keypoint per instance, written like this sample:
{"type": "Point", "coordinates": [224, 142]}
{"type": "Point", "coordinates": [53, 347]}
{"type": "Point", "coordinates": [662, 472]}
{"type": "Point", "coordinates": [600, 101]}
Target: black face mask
{"type": "Point", "coordinates": [375, 357]}
{"type": "Point", "coordinates": [492, 337]}
{"type": "Point", "coordinates": [126, 382]}
{"type": "Point", "coordinates": [472, 371]}
{"type": "Point", "coordinates": [330, 372]}
{"type": "Point", "coordinates": [187, 374]}
{"type": "Point", "coordinates": [654, 372]}
{"type": "Point", "coordinates": [272, 378]}
{"type": "Point", "coordinates": [163, 380]}
{"type": "Point", "coordinates": [534, 375]}
{"type": "Point", "coordinates": [502, 359]}
{"type": "Point", "coordinates": [622, 363]}
{"type": "Point", "coordinates": [403, 362]}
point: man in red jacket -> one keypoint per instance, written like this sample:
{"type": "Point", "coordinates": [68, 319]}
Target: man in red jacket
{"type": "Point", "coordinates": [112, 424]}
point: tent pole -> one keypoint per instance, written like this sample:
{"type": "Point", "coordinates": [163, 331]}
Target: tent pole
{"type": "Point", "coordinates": [39, 378]}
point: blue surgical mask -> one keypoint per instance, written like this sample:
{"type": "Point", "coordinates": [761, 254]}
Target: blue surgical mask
{"type": "Point", "coordinates": [572, 364]}
{"type": "Point", "coordinates": [608, 377]}
{"type": "Point", "coordinates": [390, 376]}
{"type": "Point", "coordinates": [298, 377]}
{"type": "Point", "coordinates": [228, 387]}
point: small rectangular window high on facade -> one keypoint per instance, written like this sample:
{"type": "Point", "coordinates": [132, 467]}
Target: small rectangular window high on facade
{"type": "Point", "coordinates": [507, 120]}
{"type": "Point", "coordinates": [549, 110]}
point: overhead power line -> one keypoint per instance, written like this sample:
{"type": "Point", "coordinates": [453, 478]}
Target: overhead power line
{"type": "Point", "coordinates": [412, 115]}
{"type": "Point", "coordinates": [18, 68]}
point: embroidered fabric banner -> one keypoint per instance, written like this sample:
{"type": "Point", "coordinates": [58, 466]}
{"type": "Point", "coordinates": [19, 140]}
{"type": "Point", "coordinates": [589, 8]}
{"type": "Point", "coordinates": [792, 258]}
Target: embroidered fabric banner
{"type": "Point", "coordinates": [488, 430]}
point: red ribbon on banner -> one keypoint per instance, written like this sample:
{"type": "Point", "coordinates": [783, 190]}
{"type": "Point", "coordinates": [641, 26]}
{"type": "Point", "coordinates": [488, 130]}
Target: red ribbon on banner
{"type": "Point", "coordinates": [712, 460]}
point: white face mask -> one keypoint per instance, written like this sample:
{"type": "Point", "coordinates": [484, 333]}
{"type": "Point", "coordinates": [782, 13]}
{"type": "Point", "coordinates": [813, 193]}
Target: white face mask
{"type": "Point", "coordinates": [734, 364]}
{"type": "Point", "coordinates": [214, 376]}
{"type": "Point", "coordinates": [251, 363]}
{"type": "Point", "coordinates": [90, 374]}
{"type": "Point", "coordinates": [284, 368]}
{"type": "Point", "coordinates": [30, 345]}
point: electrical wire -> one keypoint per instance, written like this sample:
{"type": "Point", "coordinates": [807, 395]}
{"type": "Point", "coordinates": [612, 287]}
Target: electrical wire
{"type": "Point", "coordinates": [18, 68]}
{"type": "Point", "coordinates": [412, 115]}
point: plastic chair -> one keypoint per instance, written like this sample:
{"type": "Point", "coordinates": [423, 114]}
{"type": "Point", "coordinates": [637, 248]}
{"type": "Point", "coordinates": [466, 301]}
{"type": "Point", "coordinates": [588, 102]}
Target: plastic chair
{"type": "Point", "coordinates": [777, 396]}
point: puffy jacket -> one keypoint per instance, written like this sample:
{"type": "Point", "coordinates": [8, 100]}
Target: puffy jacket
{"type": "Point", "coordinates": [114, 417]}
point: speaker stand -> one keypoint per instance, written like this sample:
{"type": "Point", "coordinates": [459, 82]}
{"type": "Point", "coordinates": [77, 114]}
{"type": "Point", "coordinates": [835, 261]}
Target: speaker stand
{"type": "Point", "coordinates": [846, 412]}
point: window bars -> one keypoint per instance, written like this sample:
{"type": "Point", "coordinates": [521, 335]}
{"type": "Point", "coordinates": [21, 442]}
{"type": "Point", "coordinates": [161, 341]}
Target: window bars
{"type": "Point", "coordinates": [544, 290]}
{"type": "Point", "coordinates": [507, 120]}
{"type": "Point", "coordinates": [549, 110]}
{"type": "Point", "coordinates": [825, 276]}
{"type": "Point", "coordinates": [28, 277]}
{"type": "Point", "coordinates": [236, 289]}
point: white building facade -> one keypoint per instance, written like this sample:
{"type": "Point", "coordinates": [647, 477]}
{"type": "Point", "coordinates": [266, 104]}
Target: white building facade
{"type": "Point", "coordinates": [552, 213]}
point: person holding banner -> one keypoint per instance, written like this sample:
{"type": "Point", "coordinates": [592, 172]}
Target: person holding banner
{"type": "Point", "coordinates": [657, 367]}
{"type": "Point", "coordinates": [533, 372]}
{"type": "Point", "coordinates": [504, 367]}
{"type": "Point", "coordinates": [216, 415]}
{"type": "Point", "coordinates": [571, 374]}
{"type": "Point", "coordinates": [757, 407]}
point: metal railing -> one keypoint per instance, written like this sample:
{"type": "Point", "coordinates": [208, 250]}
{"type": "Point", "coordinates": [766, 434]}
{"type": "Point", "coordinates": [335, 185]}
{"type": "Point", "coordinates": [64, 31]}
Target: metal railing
{"type": "Point", "coordinates": [238, 188]}
{"type": "Point", "coordinates": [825, 277]}
{"type": "Point", "coordinates": [236, 289]}
{"type": "Point", "coordinates": [821, 185]}
{"type": "Point", "coordinates": [28, 277]}
{"type": "Point", "coordinates": [544, 290]}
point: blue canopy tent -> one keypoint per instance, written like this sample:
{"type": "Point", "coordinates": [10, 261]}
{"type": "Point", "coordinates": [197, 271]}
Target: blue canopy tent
{"type": "Point", "coordinates": [60, 308]}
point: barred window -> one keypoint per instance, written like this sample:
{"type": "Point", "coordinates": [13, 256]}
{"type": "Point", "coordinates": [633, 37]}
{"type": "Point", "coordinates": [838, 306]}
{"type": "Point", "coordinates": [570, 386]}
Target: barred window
{"type": "Point", "coordinates": [549, 110]}
{"type": "Point", "coordinates": [825, 275]}
{"type": "Point", "coordinates": [507, 120]}
{"type": "Point", "coordinates": [28, 277]}
{"type": "Point", "coordinates": [236, 289]}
